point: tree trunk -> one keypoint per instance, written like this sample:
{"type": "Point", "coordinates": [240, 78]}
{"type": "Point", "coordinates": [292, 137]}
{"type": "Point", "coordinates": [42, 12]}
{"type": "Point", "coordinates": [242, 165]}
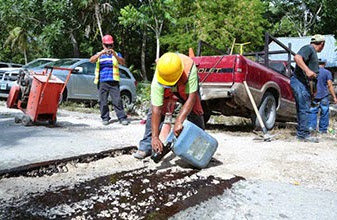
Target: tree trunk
{"type": "Point", "coordinates": [123, 46]}
{"type": "Point", "coordinates": [158, 46]}
{"type": "Point", "coordinates": [76, 52]}
{"type": "Point", "coordinates": [143, 56]}
{"type": "Point", "coordinates": [25, 55]}
{"type": "Point", "coordinates": [98, 19]}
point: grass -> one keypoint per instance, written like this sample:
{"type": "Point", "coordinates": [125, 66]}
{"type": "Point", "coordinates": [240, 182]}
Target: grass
{"type": "Point", "coordinates": [80, 107]}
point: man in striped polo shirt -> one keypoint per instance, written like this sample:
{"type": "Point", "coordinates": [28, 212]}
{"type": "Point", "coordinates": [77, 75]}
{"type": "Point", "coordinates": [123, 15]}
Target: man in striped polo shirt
{"type": "Point", "coordinates": [107, 78]}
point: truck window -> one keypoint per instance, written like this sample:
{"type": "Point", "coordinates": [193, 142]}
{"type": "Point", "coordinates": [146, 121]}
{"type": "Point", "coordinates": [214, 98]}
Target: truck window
{"type": "Point", "coordinates": [278, 67]}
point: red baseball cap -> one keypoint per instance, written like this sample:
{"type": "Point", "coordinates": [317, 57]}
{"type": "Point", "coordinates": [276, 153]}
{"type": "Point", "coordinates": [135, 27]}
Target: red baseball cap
{"type": "Point", "coordinates": [107, 39]}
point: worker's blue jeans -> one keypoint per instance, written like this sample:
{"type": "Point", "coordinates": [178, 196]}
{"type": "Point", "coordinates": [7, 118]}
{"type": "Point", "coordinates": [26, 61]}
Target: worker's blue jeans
{"type": "Point", "coordinates": [323, 105]}
{"type": "Point", "coordinates": [303, 102]}
{"type": "Point", "coordinates": [145, 143]}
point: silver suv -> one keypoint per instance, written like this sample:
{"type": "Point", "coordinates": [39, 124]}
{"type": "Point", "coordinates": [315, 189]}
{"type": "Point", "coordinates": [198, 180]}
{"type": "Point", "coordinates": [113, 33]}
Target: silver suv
{"type": "Point", "coordinates": [81, 83]}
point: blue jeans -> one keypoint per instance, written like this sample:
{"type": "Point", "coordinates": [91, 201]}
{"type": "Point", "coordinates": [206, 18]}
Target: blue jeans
{"type": "Point", "coordinates": [303, 102]}
{"type": "Point", "coordinates": [322, 104]}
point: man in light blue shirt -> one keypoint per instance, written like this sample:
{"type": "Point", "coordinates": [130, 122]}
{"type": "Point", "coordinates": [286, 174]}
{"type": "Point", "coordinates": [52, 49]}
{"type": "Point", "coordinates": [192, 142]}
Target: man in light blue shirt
{"type": "Point", "coordinates": [321, 100]}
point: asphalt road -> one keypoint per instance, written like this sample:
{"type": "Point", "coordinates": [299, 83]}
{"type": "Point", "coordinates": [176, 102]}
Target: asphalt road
{"type": "Point", "coordinates": [284, 179]}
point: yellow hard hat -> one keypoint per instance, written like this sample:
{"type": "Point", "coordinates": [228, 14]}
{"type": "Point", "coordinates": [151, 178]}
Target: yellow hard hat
{"type": "Point", "coordinates": [169, 69]}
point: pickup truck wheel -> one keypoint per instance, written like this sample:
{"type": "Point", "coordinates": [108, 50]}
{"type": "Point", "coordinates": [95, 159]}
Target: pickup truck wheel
{"type": "Point", "coordinates": [267, 111]}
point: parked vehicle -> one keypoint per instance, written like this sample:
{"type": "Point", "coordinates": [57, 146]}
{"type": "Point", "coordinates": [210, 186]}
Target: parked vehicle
{"type": "Point", "coordinates": [81, 83]}
{"type": "Point", "coordinates": [5, 67]}
{"type": "Point", "coordinates": [8, 76]}
{"type": "Point", "coordinates": [10, 65]}
{"type": "Point", "coordinates": [223, 92]}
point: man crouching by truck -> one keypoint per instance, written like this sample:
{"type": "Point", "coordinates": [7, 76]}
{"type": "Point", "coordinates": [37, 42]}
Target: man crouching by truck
{"type": "Point", "coordinates": [175, 76]}
{"type": "Point", "coordinates": [306, 70]}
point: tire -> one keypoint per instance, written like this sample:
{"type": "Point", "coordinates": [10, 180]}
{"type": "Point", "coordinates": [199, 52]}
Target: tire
{"type": "Point", "coordinates": [126, 99]}
{"type": "Point", "coordinates": [52, 122]}
{"type": "Point", "coordinates": [26, 120]}
{"type": "Point", "coordinates": [267, 111]}
{"type": "Point", "coordinates": [63, 96]}
{"type": "Point", "coordinates": [17, 119]}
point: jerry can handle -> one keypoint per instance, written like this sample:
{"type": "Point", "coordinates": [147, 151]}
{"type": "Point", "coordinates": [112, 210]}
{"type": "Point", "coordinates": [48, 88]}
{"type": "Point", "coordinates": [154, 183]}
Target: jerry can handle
{"type": "Point", "coordinates": [171, 138]}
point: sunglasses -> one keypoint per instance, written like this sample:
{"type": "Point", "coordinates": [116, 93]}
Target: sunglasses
{"type": "Point", "coordinates": [108, 45]}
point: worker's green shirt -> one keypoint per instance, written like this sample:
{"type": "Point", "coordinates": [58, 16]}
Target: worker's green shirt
{"type": "Point", "coordinates": [157, 90]}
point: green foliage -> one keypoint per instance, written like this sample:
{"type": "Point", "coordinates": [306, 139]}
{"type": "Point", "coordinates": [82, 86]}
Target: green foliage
{"type": "Point", "coordinates": [131, 17]}
{"type": "Point", "coordinates": [135, 72]}
{"type": "Point", "coordinates": [294, 17]}
{"type": "Point", "coordinates": [68, 28]}
{"type": "Point", "coordinates": [149, 16]}
{"type": "Point", "coordinates": [283, 28]}
{"type": "Point", "coordinates": [328, 18]}
{"type": "Point", "coordinates": [142, 103]}
{"type": "Point", "coordinates": [217, 22]}
{"type": "Point", "coordinates": [143, 92]}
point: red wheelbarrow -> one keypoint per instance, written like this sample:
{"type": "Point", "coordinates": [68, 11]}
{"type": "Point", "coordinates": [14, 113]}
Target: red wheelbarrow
{"type": "Point", "coordinates": [37, 95]}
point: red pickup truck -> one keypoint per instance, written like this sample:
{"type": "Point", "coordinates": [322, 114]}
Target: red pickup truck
{"type": "Point", "coordinates": [223, 92]}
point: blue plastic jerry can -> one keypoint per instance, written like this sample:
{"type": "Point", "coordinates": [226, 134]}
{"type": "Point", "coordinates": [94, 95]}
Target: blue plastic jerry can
{"type": "Point", "coordinates": [193, 145]}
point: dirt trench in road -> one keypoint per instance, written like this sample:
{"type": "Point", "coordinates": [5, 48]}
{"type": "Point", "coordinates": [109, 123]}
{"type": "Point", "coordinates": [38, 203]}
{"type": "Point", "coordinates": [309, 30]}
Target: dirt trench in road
{"type": "Point", "coordinates": [140, 193]}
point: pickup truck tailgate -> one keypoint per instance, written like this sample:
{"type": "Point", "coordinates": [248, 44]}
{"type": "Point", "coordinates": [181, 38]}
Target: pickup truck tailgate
{"type": "Point", "coordinates": [219, 69]}
{"type": "Point", "coordinates": [216, 75]}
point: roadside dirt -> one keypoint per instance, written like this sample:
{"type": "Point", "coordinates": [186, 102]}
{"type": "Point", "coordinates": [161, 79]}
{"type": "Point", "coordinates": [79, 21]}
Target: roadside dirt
{"type": "Point", "coordinates": [283, 160]}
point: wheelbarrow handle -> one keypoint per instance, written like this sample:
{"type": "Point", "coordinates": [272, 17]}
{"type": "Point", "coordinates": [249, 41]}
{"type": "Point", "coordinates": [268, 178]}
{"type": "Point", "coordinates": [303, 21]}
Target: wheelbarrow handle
{"type": "Point", "coordinates": [67, 79]}
{"type": "Point", "coordinates": [60, 68]}
{"type": "Point", "coordinates": [45, 85]}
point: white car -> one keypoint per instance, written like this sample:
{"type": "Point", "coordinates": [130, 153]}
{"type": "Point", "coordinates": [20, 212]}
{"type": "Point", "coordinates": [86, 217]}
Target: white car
{"type": "Point", "coordinates": [8, 76]}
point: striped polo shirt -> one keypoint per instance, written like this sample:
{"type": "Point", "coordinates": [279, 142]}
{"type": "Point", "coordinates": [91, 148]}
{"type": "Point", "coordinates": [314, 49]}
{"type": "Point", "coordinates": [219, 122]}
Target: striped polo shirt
{"type": "Point", "coordinates": [106, 67]}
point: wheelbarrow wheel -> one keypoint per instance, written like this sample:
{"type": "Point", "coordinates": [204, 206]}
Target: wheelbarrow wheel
{"type": "Point", "coordinates": [17, 119]}
{"type": "Point", "coordinates": [26, 120]}
{"type": "Point", "coordinates": [52, 122]}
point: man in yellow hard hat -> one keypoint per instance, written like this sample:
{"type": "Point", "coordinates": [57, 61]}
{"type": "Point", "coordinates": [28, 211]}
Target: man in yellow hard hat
{"type": "Point", "coordinates": [175, 76]}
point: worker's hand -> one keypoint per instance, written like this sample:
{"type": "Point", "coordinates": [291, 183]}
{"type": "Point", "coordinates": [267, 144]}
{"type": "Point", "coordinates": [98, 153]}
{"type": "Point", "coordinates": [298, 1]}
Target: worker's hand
{"type": "Point", "coordinates": [177, 129]}
{"type": "Point", "coordinates": [113, 52]}
{"type": "Point", "coordinates": [311, 74]}
{"type": "Point", "coordinates": [107, 51]}
{"type": "Point", "coordinates": [157, 145]}
{"type": "Point", "coordinates": [335, 100]}
{"type": "Point", "coordinates": [170, 105]}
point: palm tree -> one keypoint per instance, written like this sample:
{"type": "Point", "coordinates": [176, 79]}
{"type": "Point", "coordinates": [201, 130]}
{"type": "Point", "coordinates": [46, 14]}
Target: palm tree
{"type": "Point", "coordinates": [98, 9]}
{"type": "Point", "coordinates": [18, 39]}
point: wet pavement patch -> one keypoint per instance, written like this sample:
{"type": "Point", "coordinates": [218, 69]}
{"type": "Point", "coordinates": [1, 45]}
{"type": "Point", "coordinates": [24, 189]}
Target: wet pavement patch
{"type": "Point", "coordinates": [137, 194]}
{"type": "Point", "coordinates": [60, 165]}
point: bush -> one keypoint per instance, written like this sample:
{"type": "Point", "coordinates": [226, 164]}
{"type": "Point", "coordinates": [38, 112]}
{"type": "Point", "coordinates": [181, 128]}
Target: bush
{"type": "Point", "coordinates": [143, 91]}
{"type": "Point", "coordinates": [142, 103]}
